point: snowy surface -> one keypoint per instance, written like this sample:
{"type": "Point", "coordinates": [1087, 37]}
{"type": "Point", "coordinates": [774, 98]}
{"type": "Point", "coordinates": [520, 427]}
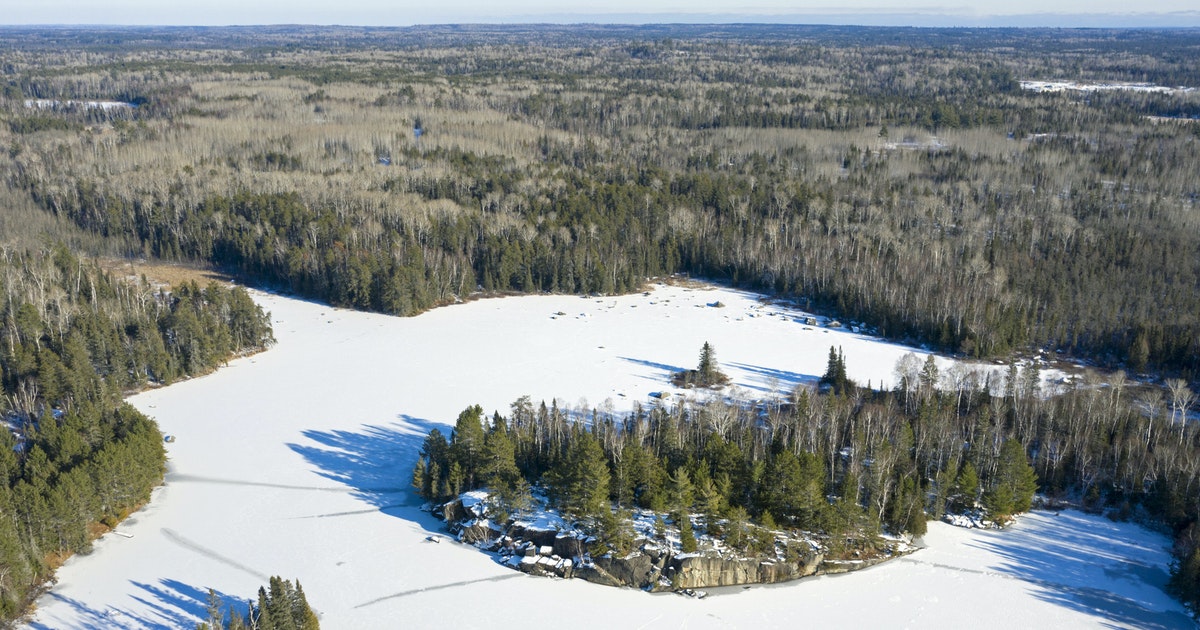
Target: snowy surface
{"type": "Point", "coordinates": [295, 462]}
{"type": "Point", "coordinates": [45, 103]}
{"type": "Point", "coordinates": [1083, 86]}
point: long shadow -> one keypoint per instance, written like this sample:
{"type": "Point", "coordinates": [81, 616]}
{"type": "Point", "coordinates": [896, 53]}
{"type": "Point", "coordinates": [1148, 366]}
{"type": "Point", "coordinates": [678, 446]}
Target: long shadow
{"type": "Point", "coordinates": [1075, 567]}
{"type": "Point", "coordinates": [669, 369]}
{"type": "Point", "coordinates": [167, 605]}
{"type": "Point", "coordinates": [375, 463]}
{"type": "Point", "coordinates": [787, 380]}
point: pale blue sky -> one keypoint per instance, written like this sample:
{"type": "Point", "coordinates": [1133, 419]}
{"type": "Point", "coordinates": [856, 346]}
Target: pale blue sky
{"type": "Point", "coordinates": [406, 12]}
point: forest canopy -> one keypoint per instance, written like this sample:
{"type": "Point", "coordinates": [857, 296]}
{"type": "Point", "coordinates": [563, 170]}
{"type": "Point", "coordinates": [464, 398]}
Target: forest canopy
{"type": "Point", "coordinates": [917, 188]}
{"type": "Point", "coordinates": [75, 459]}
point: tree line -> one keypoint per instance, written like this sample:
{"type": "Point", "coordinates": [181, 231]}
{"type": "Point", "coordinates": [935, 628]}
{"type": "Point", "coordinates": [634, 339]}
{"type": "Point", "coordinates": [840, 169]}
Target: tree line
{"type": "Point", "coordinates": [917, 189]}
{"type": "Point", "coordinates": [846, 462]}
{"type": "Point", "coordinates": [74, 458]}
{"type": "Point", "coordinates": [281, 605]}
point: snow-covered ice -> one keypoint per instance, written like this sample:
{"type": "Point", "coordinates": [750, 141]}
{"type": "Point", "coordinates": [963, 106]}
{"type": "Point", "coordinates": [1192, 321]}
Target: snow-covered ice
{"type": "Point", "coordinates": [1087, 86]}
{"type": "Point", "coordinates": [296, 461]}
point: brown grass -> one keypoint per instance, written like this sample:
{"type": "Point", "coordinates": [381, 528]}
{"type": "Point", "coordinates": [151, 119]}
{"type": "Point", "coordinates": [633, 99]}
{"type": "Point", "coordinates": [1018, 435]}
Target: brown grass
{"type": "Point", "coordinates": [162, 273]}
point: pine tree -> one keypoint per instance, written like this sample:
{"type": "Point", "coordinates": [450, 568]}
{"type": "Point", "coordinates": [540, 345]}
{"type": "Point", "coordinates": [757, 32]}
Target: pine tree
{"type": "Point", "coordinates": [280, 606]}
{"type": "Point", "coordinates": [466, 446]}
{"type": "Point", "coordinates": [615, 532]}
{"type": "Point", "coordinates": [579, 483]}
{"type": "Point", "coordinates": [835, 371]}
{"type": "Point", "coordinates": [929, 375]}
{"type": "Point", "coordinates": [302, 613]}
{"type": "Point", "coordinates": [687, 539]}
{"type": "Point", "coordinates": [735, 527]}
{"type": "Point", "coordinates": [419, 481]}
{"type": "Point", "coordinates": [660, 528]}
{"type": "Point", "coordinates": [708, 363]}
{"type": "Point", "coordinates": [1014, 485]}
{"type": "Point", "coordinates": [681, 490]}
{"type": "Point", "coordinates": [499, 470]}
{"type": "Point", "coordinates": [966, 489]}
{"type": "Point", "coordinates": [216, 618]}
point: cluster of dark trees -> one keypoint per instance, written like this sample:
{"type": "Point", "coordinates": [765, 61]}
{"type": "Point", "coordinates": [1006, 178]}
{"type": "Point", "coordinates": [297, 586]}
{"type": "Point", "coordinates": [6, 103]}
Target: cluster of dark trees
{"type": "Point", "coordinates": [280, 606]}
{"type": "Point", "coordinates": [845, 463]}
{"type": "Point", "coordinates": [74, 458]}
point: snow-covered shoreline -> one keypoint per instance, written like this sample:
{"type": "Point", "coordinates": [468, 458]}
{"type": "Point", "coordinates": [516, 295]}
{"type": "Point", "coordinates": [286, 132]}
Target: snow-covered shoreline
{"type": "Point", "coordinates": [295, 462]}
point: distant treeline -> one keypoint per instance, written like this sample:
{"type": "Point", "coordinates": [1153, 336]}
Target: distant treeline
{"type": "Point", "coordinates": [74, 458]}
{"type": "Point", "coordinates": [915, 188]}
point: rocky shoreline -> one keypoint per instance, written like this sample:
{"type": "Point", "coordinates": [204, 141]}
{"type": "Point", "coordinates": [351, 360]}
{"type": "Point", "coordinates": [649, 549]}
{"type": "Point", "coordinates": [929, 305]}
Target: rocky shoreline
{"type": "Point", "coordinates": [652, 566]}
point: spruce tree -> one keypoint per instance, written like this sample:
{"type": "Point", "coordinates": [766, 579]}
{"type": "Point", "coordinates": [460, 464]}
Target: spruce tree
{"type": "Point", "coordinates": [1014, 484]}
{"type": "Point", "coordinates": [499, 470]}
{"type": "Point", "coordinates": [681, 490]}
{"type": "Point", "coordinates": [466, 445]}
{"type": "Point", "coordinates": [835, 371]}
{"type": "Point", "coordinates": [708, 363]}
{"type": "Point", "coordinates": [687, 539]}
{"type": "Point", "coordinates": [966, 489]}
{"type": "Point", "coordinates": [579, 483]}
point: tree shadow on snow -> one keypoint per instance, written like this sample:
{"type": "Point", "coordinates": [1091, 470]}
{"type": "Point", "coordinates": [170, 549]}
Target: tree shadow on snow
{"type": "Point", "coordinates": [376, 463]}
{"type": "Point", "coordinates": [1074, 565]}
{"type": "Point", "coordinates": [669, 369]}
{"type": "Point", "coordinates": [785, 381]}
{"type": "Point", "coordinates": [167, 605]}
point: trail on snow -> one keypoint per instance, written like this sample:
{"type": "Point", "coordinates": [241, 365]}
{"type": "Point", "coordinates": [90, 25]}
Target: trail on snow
{"type": "Point", "coordinates": [174, 537]}
{"type": "Point", "coordinates": [264, 484]}
{"type": "Point", "coordinates": [498, 578]}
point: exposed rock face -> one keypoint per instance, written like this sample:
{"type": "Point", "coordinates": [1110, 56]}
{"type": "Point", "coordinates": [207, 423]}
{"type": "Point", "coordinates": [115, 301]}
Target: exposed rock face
{"type": "Point", "coordinates": [705, 571]}
{"type": "Point", "coordinates": [565, 555]}
{"type": "Point", "coordinates": [593, 573]}
{"type": "Point", "coordinates": [539, 537]}
{"type": "Point", "coordinates": [637, 569]}
{"type": "Point", "coordinates": [478, 531]}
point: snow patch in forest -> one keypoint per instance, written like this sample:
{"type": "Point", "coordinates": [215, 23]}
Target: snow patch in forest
{"type": "Point", "coordinates": [1086, 86]}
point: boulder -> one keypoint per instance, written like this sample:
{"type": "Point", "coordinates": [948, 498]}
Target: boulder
{"type": "Point", "coordinates": [453, 511]}
{"type": "Point", "coordinates": [539, 537]}
{"type": "Point", "coordinates": [479, 531]}
{"type": "Point", "coordinates": [533, 565]}
{"type": "Point", "coordinates": [636, 569]}
{"type": "Point", "coordinates": [568, 545]}
{"type": "Point", "coordinates": [595, 574]}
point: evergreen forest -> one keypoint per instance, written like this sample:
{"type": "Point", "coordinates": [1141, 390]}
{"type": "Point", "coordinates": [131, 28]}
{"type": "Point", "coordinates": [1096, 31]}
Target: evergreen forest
{"type": "Point", "coordinates": [75, 459]}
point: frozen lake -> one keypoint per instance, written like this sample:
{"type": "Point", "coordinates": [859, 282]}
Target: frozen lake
{"type": "Point", "coordinates": [296, 461]}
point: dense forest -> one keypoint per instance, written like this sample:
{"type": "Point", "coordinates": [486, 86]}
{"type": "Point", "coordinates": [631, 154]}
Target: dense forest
{"type": "Point", "coordinates": [74, 459]}
{"type": "Point", "coordinates": [918, 188]}
{"type": "Point", "coordinates": [845, 461]}
{"type": "Point", "coordinates": [904, 178]}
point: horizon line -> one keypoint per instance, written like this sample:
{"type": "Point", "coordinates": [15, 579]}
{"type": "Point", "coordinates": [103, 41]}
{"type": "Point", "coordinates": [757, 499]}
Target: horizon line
{"type": "Point", "coordinates": [1172, 20]}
